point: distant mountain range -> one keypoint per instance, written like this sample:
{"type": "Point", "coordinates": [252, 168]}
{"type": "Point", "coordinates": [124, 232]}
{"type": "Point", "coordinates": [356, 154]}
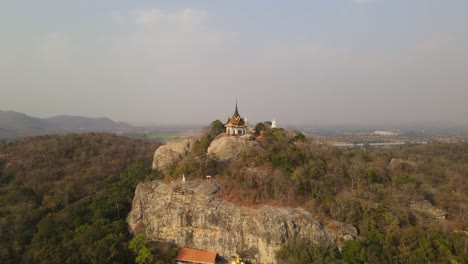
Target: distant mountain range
{"type": "Point", "coordinates": [18, 124]}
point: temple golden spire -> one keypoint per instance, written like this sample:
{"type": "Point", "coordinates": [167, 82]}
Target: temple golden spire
{"type": "Point", "coordinates": [236, 112]}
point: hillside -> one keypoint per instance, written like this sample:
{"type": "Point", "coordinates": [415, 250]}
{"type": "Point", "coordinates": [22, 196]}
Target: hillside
{"type": "Point", "coordinates": [63, 199]}
{"type": "Point", "coordinates": [17, 123]}
{"type": "Point", "coordinates": [75, 123]}
{"type": "Point", "coordinates": [408, 205]}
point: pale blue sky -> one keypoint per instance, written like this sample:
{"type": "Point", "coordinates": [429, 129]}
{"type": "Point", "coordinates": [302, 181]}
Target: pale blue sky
{"type": "Point", "coordinates": [316, 62]}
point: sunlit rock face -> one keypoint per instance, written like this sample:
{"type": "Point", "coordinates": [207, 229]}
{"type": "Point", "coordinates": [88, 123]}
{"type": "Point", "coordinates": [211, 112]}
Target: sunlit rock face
{"type": "Point", "coordinates": [191, 214]}
{"type": "Point", "coordinates": [225, 148]}
{"type": "Point", "coordinates": [170, 153]}
{"type": "Point", "coordinates": [424, 206]}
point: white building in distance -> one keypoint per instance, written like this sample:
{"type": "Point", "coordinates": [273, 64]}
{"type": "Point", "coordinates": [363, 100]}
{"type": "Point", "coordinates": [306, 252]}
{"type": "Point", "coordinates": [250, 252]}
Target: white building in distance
{"type": "Point", "coordinates": [385, 133]}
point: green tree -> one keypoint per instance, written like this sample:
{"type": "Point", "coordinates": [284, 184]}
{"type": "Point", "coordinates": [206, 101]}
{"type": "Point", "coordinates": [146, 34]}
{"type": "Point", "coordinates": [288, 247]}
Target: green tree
{"type": "Point", "coordinates": [299, 137]}
{"type": "Point", "coordinates": [138, 245]}
{"type": "Point", "coordinates": [216, 128]}
{"type": "Point", "coordinates": [137, 171]}
{"type": "Point", "coordinates": [260, 127]}
{"type": "Point", "coordinates": [353, 252]}
{"type": "Point", "coordinates": [299, 250]}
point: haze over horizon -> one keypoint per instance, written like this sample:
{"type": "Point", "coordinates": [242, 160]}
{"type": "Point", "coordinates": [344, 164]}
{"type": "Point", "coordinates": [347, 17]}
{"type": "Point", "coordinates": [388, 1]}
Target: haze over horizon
{"type": "Point", "coordinates": [186, 62]}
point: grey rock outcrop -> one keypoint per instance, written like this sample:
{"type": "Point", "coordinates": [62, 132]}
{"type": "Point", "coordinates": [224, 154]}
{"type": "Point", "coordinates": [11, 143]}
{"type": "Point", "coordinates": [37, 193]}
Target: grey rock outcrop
{"type": "Point", "coordinates": [192, 215]}
{"type": "Point", "coordinates": [424, 206]}
{"type": "Point", "coordinates": [225, 148]}
{"type": "Point", "coordinates": [342, 230]}
{"type": "Point", "coordinates": [170, 153]}
{"type": "Point", "coordinates": [400, 163]}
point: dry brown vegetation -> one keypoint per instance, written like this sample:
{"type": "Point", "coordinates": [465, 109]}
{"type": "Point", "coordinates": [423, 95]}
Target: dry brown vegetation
{"type": "Point", "coordinates": [357, 186]}
{"type": "Point", "coordinates": [71, 193]}
{"type": "Point", "coordinates": [64, 199]}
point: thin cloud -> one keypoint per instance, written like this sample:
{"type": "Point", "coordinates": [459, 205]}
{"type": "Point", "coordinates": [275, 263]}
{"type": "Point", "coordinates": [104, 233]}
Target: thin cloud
{"type": "Point", "coordinates": [360, 2]}
{"type": "Point", "coordinates": [157, 17]}
{"type": "Point", "coordinates": [437, 43]}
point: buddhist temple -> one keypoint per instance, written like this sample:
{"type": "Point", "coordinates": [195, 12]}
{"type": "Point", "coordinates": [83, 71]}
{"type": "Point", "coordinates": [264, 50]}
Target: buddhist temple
{"type": "Point", "coordinates": [236, 125]}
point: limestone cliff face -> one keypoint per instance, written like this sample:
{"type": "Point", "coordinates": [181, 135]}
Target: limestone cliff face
{"type": "Point", "coordinates": [192, 215]}
{"type": "Point", "coordinates": [225, 148]}
{"type": "Point", "coordinates": [170, 153]}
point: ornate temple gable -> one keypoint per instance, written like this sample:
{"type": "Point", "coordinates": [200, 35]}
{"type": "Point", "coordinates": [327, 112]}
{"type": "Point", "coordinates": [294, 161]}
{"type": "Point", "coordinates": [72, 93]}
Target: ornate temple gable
{"type": "Point", "coordinates": [236, 125]}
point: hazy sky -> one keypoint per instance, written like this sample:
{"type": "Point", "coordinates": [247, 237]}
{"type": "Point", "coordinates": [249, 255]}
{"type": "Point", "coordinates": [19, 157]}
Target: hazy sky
{"type": "Point", "coordinates": [311, 61]}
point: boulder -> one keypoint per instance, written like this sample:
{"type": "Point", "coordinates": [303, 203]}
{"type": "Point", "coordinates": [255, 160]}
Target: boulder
{"type": "Point", "coordinates": [401, 163]}
{"type": "Point", "coordinates": [229, 147]}
{"type": "Point", "coordinates": [170, 153]}
{"type": "Point", "coordinates": [424, 206]}
{"type": "Point", "coordinates": [342, 230]}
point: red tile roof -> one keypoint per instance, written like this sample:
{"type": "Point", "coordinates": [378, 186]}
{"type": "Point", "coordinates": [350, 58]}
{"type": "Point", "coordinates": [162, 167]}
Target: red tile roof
{"type": "Point", "coordinates": [196, 256]}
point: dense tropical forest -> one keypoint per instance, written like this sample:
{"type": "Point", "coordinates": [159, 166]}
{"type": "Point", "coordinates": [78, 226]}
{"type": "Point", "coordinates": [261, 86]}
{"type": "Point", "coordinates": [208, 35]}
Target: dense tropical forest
{"type": "Point", "coordinates": [64, 199]}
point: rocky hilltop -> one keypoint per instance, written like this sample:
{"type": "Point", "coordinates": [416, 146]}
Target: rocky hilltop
{"type": "Point", "coordinates": [192, 214]}
{"type": "Point", "coordinates": [224, 148]}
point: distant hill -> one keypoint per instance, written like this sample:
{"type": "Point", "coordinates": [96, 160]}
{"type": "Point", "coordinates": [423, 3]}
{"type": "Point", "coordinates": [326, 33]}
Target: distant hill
{"type": "Point", "coordinates": [18, 124]}
{"type": "Point", "coordinates": [14, 123]}
{"type": "Point", "coordinates": [65, 122]}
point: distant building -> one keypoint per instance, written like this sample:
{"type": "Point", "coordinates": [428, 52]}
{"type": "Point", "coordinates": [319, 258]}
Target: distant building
{"type": "Point", "coordinates": [236, 125]}
{"type": "Point", "coordinates": [385, 133]}
{"type": "Point", "coordinates": [188, 255]}
{"type": "Point", "coordinates": [273, 123]}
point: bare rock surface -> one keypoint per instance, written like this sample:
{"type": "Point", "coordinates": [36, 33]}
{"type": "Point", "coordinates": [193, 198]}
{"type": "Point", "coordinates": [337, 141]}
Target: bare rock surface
{"type": "Point", "coordinates": [398, 163]}
{"type": "Point", "coordinates": [192, 215]}
{"type": "Point", "coordinates": [170, 153]}
{"type": "Point", "coordinates": [342, 230]}
{"type": "Point", "coordinates": [225, 148]}
{"type": "Point", "coordinates": [424, 206]}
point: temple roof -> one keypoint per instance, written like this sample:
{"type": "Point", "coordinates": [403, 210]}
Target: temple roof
{"type": "Point", "coordinates": [196, 256]}
{"type": "Point", "coordinates": [236, 120]}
